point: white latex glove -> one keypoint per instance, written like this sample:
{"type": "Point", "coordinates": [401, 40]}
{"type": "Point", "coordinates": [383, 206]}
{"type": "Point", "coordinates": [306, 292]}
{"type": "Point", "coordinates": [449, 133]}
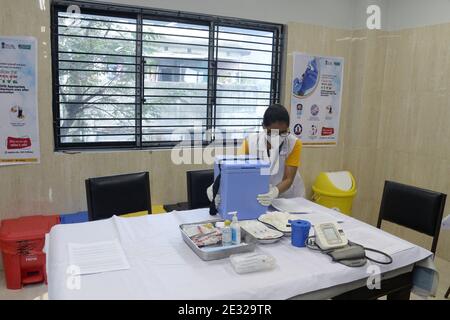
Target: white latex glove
{"type": "Point", "coordinates": [266, 199]}
{"type": "Point", "coordinates": [209, 193]}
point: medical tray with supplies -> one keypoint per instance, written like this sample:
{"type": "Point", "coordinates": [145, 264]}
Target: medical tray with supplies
{"type": "Point", "coordinates": [216, 251]}
{"type": "Point", "coordinates": [261, 232]}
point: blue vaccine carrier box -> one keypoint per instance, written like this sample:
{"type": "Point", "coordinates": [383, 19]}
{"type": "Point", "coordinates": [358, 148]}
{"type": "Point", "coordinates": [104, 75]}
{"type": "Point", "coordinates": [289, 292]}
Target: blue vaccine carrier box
{"type": "Point", "coordinates": [243, 178]}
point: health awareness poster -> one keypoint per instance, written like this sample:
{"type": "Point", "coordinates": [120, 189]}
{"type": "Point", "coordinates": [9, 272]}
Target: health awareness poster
{"type": "Point", "coordinates": [316, 99]}
{"type": "Point", "coordinates": [19, 131]}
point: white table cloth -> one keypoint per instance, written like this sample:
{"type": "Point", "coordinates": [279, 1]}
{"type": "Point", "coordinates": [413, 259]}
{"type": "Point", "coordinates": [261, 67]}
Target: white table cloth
{"type": "Point", "coordinates": [164, 267]}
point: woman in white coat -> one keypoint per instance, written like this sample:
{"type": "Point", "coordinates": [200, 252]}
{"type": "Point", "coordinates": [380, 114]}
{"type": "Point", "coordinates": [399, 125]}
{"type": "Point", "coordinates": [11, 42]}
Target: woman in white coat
{"type": "Point", "coordinates": [282, 149]}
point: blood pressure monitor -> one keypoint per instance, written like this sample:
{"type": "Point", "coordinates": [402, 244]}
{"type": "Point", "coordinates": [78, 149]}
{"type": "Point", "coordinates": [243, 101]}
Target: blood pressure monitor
{"type": "Point", "coordinates": [330, 239]}
{"type": "Point", "coordinates": [329, 236]}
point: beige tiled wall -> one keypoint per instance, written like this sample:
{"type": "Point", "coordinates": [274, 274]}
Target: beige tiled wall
{"type": "Point", "coordinates": [398, 126]}
{"type": "Point", "coordinates": [391, 82]}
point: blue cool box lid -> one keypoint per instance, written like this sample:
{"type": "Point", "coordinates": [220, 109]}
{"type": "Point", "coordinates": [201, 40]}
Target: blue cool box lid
{"type": "Point", "coordinates": [241, 162]}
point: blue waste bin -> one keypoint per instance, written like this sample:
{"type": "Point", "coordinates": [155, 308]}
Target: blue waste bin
{"type": "Point", "coordinates": [78, 217]}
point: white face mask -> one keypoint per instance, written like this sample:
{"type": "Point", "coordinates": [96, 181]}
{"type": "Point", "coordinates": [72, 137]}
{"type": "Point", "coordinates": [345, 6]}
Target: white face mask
{"type": "Point", "coordinates": [275, 140]}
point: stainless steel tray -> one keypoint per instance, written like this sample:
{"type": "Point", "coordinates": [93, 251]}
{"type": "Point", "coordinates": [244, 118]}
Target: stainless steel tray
{"type": "Point", "coordinates": [247, 240]}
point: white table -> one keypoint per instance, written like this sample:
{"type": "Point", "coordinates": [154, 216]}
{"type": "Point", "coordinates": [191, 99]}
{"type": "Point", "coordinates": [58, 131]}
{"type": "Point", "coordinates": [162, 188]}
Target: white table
{"type": "Point", "coordinates": [164, 267]}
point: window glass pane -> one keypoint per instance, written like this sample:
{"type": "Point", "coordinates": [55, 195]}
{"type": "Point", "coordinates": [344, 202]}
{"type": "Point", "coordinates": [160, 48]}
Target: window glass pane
{"type": "Point", "coordinates": [97, 77]}
{"type": "Point", "coordinates": [176, 80]}
{"type": "Point", "coordinates": [244, 79]}
{"type": "Point", "coordinates": [100, 79]}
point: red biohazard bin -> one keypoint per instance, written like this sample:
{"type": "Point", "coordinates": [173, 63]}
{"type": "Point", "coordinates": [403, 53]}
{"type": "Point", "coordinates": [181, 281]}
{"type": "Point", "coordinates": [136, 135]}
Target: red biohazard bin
{"type": "Point", "coordinates": [22, 243]}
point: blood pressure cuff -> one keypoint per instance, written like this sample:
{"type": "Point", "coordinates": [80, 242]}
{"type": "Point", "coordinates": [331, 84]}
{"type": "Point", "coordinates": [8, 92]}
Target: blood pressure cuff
{"type": "Point", "coordinates": [350, 255]}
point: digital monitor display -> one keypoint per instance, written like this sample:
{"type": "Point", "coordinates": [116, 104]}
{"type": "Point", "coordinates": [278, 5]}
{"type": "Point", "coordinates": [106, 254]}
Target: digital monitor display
{"type": "Point", "coordinates": [330, 234]}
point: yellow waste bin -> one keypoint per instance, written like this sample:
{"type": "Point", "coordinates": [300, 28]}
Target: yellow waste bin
{"type": "Point", "coordinates": [335, 190]}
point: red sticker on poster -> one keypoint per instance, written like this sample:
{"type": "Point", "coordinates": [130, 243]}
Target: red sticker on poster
{"type": "Point", "coordinates": [18, 143]}
{"type": "Point", "coordinates": [327, 131]}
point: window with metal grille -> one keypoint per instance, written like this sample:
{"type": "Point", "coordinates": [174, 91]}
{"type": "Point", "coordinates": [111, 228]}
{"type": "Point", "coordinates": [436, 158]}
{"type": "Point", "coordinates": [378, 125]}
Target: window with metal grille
{"type": "Point", "coordinates": [126, 77]}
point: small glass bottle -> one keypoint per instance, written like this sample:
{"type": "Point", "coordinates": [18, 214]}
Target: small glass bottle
{"type": "Point", "coordinates": [235, 230]}
{"type": "Point", "coordinates": [226, 234]}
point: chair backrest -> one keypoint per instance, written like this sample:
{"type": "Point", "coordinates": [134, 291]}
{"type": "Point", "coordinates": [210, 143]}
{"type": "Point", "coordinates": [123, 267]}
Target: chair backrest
{"type": "Point", "coordinates": [118, 195]}
{"type": "Point", "coordinates": [197, 183]}
{"type": "Point", "coordinates": [414, 208]}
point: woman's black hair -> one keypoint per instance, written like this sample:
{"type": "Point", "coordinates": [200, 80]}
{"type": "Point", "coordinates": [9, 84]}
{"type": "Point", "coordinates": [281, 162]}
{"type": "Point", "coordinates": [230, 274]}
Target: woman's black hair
{"type": "Point", "coordinates": [276, 113]}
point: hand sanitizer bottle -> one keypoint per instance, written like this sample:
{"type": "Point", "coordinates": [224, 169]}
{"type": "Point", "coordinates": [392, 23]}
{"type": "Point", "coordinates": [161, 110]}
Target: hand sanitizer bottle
{"type": "Point", "coordinates": [226, 234]}
{"type": "Point", "coordinates": [235, 230]}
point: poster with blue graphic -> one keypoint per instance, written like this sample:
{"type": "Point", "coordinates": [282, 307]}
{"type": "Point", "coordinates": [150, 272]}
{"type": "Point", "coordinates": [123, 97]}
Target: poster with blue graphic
{"type": "Point", "coordinates": [19, 130]}
{"type": "Point", "coordinates": [316, 99]}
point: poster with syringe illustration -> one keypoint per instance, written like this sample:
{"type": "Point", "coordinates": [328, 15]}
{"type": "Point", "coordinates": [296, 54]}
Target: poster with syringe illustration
{"type": "Point", "coordinates": [316, 99]}
{"type": "Point", "coordinates": [19, 131]}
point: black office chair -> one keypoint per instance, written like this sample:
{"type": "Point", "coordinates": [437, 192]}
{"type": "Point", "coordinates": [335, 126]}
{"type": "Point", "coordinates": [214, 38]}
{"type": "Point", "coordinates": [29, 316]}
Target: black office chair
{"type": "Point", "coordinates": [118, 195]}
{"type": "Point", "coordinates": [414, 208]}
{"type": "Point", "coordinates": [197, 183]}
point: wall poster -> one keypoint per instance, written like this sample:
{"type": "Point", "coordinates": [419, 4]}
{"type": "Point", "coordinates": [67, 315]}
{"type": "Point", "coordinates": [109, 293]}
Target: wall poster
{"type": "Point", "coordinates": [19, 125]}
{"type": "Point", "coordinates": [316, 99]}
